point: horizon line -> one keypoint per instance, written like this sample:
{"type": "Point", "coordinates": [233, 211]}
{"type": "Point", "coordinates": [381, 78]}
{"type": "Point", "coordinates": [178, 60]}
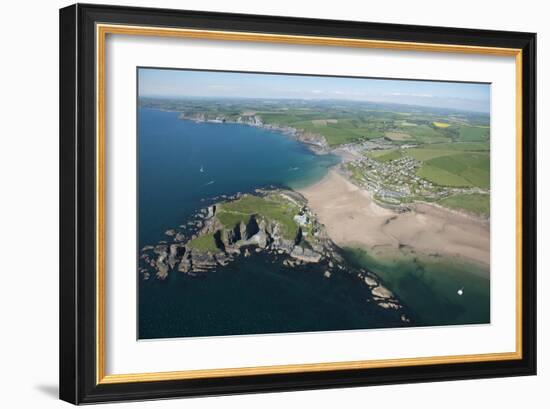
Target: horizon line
{"type": "Point", "coordinates": [488, 112]}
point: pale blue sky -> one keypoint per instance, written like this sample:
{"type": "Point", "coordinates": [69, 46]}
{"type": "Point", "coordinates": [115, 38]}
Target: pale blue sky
{"type": "Point", "coordinates": [184, 83]}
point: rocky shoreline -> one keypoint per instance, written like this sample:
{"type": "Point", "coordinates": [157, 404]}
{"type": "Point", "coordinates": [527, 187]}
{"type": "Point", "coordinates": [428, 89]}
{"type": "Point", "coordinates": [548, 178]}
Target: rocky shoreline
{"type": "Point", "coordinates": [258, 233]}
{"type": "Point", "coordinates": [224, 231]}
{"type": "Point", "coordinates": [315, 142]}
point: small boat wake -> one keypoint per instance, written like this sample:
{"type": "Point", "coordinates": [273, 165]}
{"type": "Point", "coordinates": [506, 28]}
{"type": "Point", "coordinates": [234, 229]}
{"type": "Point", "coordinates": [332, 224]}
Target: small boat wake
{"type": "Point", "coordinates": [209, 183]}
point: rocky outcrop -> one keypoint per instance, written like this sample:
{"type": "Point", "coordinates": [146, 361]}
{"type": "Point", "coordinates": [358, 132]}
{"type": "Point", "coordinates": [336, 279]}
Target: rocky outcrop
{"type": "Point", "coordinates": [201, 261]}
{"type": "Point", "coordinates": [305, 255]}
{"type": "Point", "coordinates": [258, 233]}
{"type": "Point", "coordinates": [371, 282]}
{"type": "Point", "coordinates": [185, 265]}
{"type": "Point", "coordinates": [175, 253]}
{"type": "Point", "coordinates": [213, 243]}
{"type": "Point", "coordinates": [382, 292]}
{"type": "Point", "coordinates": [383, 297]}
{"type": "Point", "coordinates": [160, 263]}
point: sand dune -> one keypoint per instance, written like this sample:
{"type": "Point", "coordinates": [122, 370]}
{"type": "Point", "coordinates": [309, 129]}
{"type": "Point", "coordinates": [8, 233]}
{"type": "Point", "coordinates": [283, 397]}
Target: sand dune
{"type": "Point", "coordinates": [352, 218]}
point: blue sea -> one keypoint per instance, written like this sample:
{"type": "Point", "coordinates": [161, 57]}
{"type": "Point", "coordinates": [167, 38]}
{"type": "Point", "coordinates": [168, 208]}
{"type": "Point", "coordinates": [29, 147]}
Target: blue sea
{"type": "Point", "coordinates": [182, 165]}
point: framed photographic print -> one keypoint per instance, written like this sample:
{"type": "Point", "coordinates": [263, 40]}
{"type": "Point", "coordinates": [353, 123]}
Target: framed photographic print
{"type": "Point", "coordinates": [257, 203]}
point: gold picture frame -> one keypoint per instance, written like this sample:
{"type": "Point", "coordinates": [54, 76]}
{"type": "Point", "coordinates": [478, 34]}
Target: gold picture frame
{"type": "Point", "coordinates": [98, 19]}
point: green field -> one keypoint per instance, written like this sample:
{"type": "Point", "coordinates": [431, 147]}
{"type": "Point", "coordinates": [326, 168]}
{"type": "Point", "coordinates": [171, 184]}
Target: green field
{"type": "Point", "coordinates": [458, 146]}
{"type": "Point", "coordinates": [342, 122]}
{"type": "Point", "coordinates": [451, 149]}
{"type": "Point", "coordinates": [442, 177]}
{"type": "Point", "coordinates": [431, 151]}
{"type": "Point", "coordinates": [336, 132]}
{"type": "Point", "coordinates": [472, 134]}
{"type": "Point", "coordinates": [457, 170]}
{"type": "Point", "coordinates": [385, 155]}
{"type": "Point", "coordinates": [348, 127]}
{"type": "Point", "coordinates": [425, 154]}
{"type": "Point", "coordinates": [428, 134]}
{"type": "Point", "coordinates": [475, 203]}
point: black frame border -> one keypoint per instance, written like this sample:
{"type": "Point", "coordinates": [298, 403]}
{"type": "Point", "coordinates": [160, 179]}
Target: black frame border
{"type": "Point", "coordinates": [78, 210]}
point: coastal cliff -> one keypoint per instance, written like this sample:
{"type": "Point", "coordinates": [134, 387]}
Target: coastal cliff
{"type": "Point", "coordinates": [277, 222]}
{"type": "Point", "coordinates": [316, 142]}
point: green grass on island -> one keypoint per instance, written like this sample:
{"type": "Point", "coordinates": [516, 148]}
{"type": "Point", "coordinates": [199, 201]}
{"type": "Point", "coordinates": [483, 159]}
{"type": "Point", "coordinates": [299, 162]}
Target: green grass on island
{"type": "Point", "coordinates": [204, 243]}
{"type": "Point", "coordinates": [272, 207]}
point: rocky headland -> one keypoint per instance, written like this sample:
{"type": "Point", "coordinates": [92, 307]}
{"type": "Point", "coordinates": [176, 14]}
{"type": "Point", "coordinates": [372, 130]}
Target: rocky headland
{"type": "Point", "coordinates": [275, 221]}
{"type": "Point", "coordinates": [315, 142]}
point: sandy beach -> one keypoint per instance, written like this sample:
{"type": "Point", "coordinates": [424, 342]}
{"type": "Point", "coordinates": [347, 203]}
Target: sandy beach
{"type": "Point", "coordinates": [353, 219]}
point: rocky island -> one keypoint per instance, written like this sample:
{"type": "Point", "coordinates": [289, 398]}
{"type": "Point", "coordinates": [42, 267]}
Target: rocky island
{"type": "Point", "coordinates": [274, 221]}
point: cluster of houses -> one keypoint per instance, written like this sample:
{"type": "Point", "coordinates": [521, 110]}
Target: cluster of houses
{"type": "Point", "coordinates": [396, 181]}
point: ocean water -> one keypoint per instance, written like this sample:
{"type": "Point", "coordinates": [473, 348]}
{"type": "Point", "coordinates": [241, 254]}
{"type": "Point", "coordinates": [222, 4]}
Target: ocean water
{"type": "Point", "coordinates": [430, 285]}
{"type": "Point", "coordinates": [258, 295]}
{"type": "Point", "coordinates": [233, 158]}
{"type": "Point", "coordinates": [182, 165]}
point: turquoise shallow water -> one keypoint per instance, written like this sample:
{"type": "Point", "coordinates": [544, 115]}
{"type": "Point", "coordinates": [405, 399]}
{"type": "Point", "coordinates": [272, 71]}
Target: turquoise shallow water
{"type": "Point", "coordinates": [429, 285]}
{"type": "Point", "coordinates": [251, 295]}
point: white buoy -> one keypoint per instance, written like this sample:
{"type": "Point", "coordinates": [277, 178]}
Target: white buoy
{"type": "Point", "coordinates": [460, 291]}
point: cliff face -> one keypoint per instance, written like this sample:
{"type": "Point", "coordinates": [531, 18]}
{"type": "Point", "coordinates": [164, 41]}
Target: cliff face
{"type": "Point", "coordinates": [316, 142]}
{"type": "Point", "coordinates": [249, 119]}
